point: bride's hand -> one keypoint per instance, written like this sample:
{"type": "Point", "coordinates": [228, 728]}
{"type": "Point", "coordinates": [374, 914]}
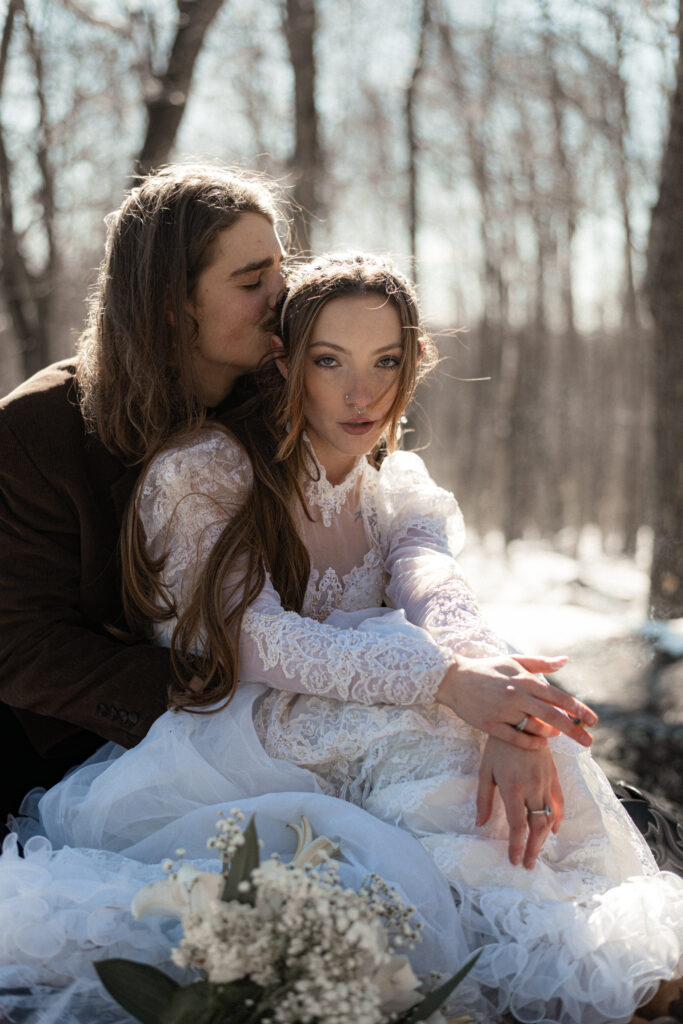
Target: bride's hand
{"type": "Point", "coordinates": [527, 780]}
{"type": "Point", "coordinates": [497, 694]}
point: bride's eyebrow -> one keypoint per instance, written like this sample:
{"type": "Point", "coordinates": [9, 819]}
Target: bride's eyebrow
{"type": "Point", "coordinates": [345, 351]}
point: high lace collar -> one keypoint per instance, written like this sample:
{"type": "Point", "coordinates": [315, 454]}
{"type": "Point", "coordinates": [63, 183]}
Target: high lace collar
{"type": "Point", "coordinates": [330, 498]}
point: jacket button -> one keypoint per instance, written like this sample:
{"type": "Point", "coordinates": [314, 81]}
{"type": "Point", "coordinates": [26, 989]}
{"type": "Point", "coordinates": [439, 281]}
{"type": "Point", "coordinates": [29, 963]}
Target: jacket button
{"type": "Point", "coordinates": [102, 709]}
{"type": "Point", "coordinates": [133, 718]}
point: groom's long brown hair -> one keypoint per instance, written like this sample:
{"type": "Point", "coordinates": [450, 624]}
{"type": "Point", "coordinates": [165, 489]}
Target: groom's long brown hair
{"type": "Point", "coordinates": [269, 425]}
{"type": "Point", "coordinates": [136, 381]}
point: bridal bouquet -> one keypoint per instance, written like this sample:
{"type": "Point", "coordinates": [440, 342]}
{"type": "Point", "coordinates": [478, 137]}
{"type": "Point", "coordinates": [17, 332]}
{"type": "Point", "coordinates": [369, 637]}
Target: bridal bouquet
{"type": "Point", "coordinates": [278, 943]}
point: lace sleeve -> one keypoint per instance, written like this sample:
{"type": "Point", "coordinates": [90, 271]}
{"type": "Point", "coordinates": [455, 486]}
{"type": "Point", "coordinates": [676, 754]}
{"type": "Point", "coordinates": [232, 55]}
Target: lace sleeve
{"type": "Point", "coordinates": [291, 652]}
{"type": "Point", "coordinates": [188, 495]}
{"type": "Point", "coordinates": [421, 530]}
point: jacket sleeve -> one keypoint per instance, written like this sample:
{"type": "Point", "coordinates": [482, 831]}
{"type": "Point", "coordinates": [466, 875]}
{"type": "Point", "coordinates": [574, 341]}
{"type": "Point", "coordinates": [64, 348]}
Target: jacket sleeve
{"type": "Point", "coordinates": [55, 661]}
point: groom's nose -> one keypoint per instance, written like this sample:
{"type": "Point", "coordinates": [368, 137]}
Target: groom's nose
{"type": "Point", "coordinates": [277, 291]}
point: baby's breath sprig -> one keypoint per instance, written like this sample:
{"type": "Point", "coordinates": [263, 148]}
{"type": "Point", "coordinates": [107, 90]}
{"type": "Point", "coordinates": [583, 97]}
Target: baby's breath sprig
{"type": "Point", "coordinates": [229, 836]}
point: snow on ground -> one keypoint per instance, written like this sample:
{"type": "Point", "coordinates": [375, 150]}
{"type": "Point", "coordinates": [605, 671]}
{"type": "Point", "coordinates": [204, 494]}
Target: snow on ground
{"type": "Point", "coordinates": [544, 601]}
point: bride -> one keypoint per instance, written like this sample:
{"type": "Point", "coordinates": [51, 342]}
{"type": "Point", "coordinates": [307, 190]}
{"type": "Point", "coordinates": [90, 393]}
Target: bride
{"type": "Point", "coordinates": [273, 551]}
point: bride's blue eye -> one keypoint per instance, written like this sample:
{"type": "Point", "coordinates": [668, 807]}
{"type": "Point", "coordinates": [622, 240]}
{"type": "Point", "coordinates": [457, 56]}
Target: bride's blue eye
{"type": "Point", "coordinates": [326, 361]}
{"type": "Point", "coordinates": [389, 363]}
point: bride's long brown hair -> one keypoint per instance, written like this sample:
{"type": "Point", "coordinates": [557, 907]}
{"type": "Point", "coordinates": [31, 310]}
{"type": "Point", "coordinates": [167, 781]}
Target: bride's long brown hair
{"type": "Point", "coordinates": [269, 424]}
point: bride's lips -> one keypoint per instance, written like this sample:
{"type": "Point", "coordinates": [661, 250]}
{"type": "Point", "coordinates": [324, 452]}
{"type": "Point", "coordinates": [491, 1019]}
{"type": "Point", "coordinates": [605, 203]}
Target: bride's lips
{"type": "Point", "coordinates": [357, 427]}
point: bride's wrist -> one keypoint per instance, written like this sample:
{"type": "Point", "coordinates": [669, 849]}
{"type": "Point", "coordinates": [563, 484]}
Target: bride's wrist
{"type": "Point", "coordinates": [450, 684]}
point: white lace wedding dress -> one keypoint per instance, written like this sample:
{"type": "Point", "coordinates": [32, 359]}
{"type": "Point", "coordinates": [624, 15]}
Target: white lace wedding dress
{"type": "Point", "coordinates": [335, 717]}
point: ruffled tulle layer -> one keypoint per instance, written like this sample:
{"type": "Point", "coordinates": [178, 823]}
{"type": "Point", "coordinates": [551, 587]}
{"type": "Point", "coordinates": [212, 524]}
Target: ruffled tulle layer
{"type": "Point", "coordinates": [546, 961]}
{"type": "Point", "coordinates": [547, 957]}
{"type": "Point", "coordinates": [61, 911]}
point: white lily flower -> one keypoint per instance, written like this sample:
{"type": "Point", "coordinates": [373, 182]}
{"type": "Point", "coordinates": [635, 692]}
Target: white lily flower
{"type": "Point", "coordinates": [397, 985]}
{"type": "Point", "coordinates": [186, 891]}
{"type": "Point", "coordinates": [309, 850]}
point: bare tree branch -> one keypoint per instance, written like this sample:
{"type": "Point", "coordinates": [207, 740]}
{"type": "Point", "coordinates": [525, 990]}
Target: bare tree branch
{"type": "Point", "coordinates": [120, 28]}
{"type": "Point", "coordinates": [411, 129]}
{"type": "Point", "coordinates": [166, 107]}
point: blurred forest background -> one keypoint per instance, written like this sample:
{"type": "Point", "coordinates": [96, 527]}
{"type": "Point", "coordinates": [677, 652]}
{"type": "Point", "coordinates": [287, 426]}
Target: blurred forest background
{"type": "Point", "coordinates": [509, 152]}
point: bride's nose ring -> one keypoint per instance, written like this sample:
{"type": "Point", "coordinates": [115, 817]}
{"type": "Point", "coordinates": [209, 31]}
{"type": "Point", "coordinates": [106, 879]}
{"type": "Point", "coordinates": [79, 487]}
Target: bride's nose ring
{"type": "Point", "coordinates": [359, 412]}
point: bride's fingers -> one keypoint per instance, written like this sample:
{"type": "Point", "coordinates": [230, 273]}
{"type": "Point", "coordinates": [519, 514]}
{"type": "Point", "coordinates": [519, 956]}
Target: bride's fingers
{"type": "Point", "coordinates": [515, 812]}
{"type": "Point", "coordinates": [518, 738]}
{"type": "Point", "coordinates": [535, 727]}
{"type": "Point", "coordinates": [558, 804]}
{"type": "Point", "coordinates": [539, 829]}
{"type": "Point", "coordinates": [557, 719]}
{"type": "Point", "coordinates": [553, 695]}
{"type": "Point", "coordinates": [485, 791]}
{"type": "Point", "coordinates": [534, 663]}
{"type": "Point", "coordinates": [532, 737]}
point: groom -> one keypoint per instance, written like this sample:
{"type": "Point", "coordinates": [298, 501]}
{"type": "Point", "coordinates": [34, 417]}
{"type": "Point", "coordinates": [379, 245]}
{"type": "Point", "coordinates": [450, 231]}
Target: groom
{"type": "Point", "coordinates": [184, 306]}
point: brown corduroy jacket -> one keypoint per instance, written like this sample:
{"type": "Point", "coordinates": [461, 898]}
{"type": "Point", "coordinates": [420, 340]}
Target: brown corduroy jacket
{"type": "Point", "coordinates": [62, 496]}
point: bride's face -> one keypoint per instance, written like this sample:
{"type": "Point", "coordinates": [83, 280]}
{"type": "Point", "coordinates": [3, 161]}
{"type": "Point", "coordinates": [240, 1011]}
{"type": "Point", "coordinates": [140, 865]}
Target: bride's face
{"type": "Point", "coordinates": [351, 378]}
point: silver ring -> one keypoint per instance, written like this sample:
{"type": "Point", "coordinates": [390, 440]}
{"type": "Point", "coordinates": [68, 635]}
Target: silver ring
{"type": "Point", "coordinates": [544, 810]}
{"type": "Point", "coordinates": [521, 726]}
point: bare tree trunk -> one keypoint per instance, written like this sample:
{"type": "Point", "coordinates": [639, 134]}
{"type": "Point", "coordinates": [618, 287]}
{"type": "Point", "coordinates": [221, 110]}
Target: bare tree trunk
{"type": "Point", "coordinates": [473, 112]}
{"type": "Point", "coordinates": [28, 293]}
{"type": "Point", "coordinates": [665, 292]}
{"type": "Point", "coordinates": [412, 142]}
{"type": "Point", "coordinates": [165, 108]}
{"type": "Point", "coordinates": [564, 471]}
{"type": "Point", "coordinates": [299, 22]}
{"type": "Point", "coordinates": [635, 367]}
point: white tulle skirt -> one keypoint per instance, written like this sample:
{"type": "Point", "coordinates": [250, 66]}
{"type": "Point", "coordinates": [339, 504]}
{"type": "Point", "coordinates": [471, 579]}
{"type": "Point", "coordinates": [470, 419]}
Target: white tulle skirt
{"type": "Point", "coordinates": [113, 821]}
{"type": "Point", "coordinates": [584, 938]}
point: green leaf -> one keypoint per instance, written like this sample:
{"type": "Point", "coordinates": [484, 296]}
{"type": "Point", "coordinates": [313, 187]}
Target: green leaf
{"type": "Point", "coordinates": [243, 863]}
{"type": "Point", "coordinates": [140, 989]}
{"type": "Point", "coordinates": [431, 1003]}
{"type": "Point", "coordinates": [207, 1003]}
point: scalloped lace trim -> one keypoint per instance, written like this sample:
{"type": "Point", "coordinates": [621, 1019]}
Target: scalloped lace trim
{"type": "Point", "coordinates": [331, 498]}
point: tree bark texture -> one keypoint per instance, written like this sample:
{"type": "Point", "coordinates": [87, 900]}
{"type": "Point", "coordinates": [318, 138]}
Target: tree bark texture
{"type": "Point", "coordinates": [166, 107]}
{"type": "Point", "coordinates": [412, 142]}
{"type": "Point", "coordinates": [665, 293]}
{"type": "Point", "coordinates": [299, 21]}
{"type": "Point", "coordinates": [27, 293]}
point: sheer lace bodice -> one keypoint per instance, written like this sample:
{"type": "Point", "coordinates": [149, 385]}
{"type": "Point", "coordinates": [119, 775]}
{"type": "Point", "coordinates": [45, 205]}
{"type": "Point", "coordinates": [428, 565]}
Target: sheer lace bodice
{"type": "Point", "coordinates": [374, 539]}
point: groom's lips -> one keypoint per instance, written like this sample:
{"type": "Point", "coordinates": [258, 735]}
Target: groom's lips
{"type": "Point", "coordinates": [357, 427]}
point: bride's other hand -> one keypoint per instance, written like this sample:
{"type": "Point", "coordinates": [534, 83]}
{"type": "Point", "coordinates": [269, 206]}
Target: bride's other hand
{"type": "Point", "coordinates": [527, 780]}
{"type": "Point", "coordinates": [502, 696]}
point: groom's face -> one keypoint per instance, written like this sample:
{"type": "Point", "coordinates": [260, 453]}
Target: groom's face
{"type": "Point", "coordinates": [233, 305]}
